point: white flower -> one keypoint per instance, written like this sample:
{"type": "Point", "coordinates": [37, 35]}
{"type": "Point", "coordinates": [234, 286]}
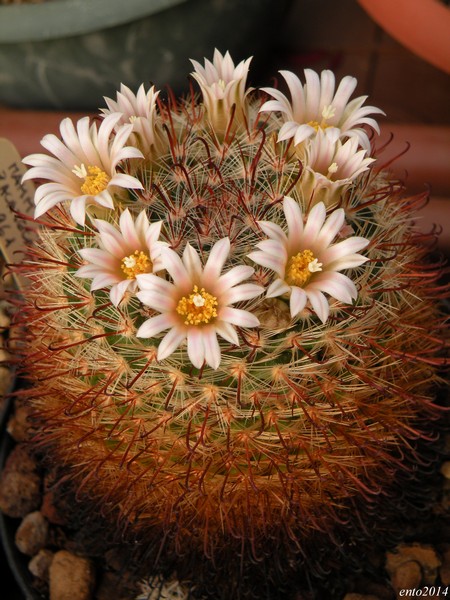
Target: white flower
{"type": "Point", "coordinates": [196, 306]}
{"type": "Point", "coordinates": [83, 168]}
{"type": "Point", "coordinates": [139, 110]}
{"type": "Point", "coordinates": [317, 106]}
{"type": "Point", "coordinates": [331, 165]}
{"type": "Point", "coordinates": [223, 85]}
{"type": "Point", "coordinates": [122, 255]}
{"type": "Point", "coordinates": [306, 260]}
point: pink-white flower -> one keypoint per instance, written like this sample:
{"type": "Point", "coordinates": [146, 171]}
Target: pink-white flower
{"type": "Point", "coordinates": [196, 305]}
{"type": "Point", "coordinates": [83, 168]}
{"type": "Point", "coordinates": [139, 110]}
{"type": "Point", "coordinates": [122, 254]}
{"type": "Point", "coordinates": [223, 85]}
{"type": "Point", "coordinates": [317, 106]}
{"type": "Point", "coordinates": [306, 260]}
{"type": "Point", "coordinates": [330, 165]}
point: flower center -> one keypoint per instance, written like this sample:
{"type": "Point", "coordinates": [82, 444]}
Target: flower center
{"type": "Point", "coordinates": [197, 308]}
{"type": "Point", "coordinates": [135, 264]}
{"type": "Point", "coordinates": [328, 112]}
{"type": "Point", "coordinates": [95, 180]}
{"type": "Point", "coordinates": [300, 268]}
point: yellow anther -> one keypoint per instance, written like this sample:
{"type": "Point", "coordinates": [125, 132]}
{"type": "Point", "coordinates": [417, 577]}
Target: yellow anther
{"type": "Point", "coordinates": [95, 181]}
{"type": "Point", "coordinates": [328, 112]}
{"type": "Point", "coordinates": [198, 308]}
{"type": "Point", "coordinates": [300, 268]}
{"type": "Point", "coordinates": [314, 124]}
{"type": "Point", "coordinates": [135, 264]}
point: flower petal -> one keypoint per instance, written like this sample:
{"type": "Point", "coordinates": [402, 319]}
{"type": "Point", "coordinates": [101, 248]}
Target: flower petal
{"type": "Point", "coordinates": [273, 262]}
{"type": "Point", "coordinates": [303, 133]}
{"type": "Point", "coordinates": [337, 285]}
{"type": "Point", "coordinates": [297, 300]}
{"type": "Point", "coordinates": [236, 316]}
{"type": "Point", "coordinates": [195, 347]}
{"type": "Point", "coordinates": [343, 93]}
{"type": "Point", "coordinates": [88, 271]}
{"type": "Point", "coordinates": [103, 199]}
{"type": "Point", "coordinates": [78, 210]}
{"type": "Point", "coordinates": [216, 260]}
{"type": "Point", "coordinates": [170, 342]}
{"type": "Point", "coordinates": [312, 89]}
{"type": "Point", "coordinates": [233, 277]}
{"type": "Point", "coordinates": [48, 202]}
{"type": "Point", "coordinates": [212, 348]}
{"type": "Point", "coordinates": [319, 304]}
{"type": "Point", "coordinates": [288, 130]}
{"type": "Point", "coordinates": [153, 283]}
{"type": "Point", "coordinates": [103, 280]}
{"type": "Point", "coordinates": [347, 262]}
{"type": "Point", "coordinates": [157, 301]}
{"type": "Point", "coordinates": [128, 230]}
{"type": "Point", "coordinates": [294, 219]}
{"type": "Point", "coordinates": [126, 181]}
{"type": "Point", "coordinates": [297, 92]}
{"type": "Point", "coordinates": [273, 231]}
{"type": "Point", "coordinates": [313, 224]}
{"type": "Point", "coordinates": [242, 292]}
{"type": "Point", "coordinates": [277, 288]}
{"type": "Point", "coordinates": [192, 263]}
{"type": "Point", "coordinates": [227, 331]}
{"type": "Point", "coordinates": [341, 249]}
{"type": "Point", "coordinates": [172, 262]}
{"type": "Point", "coordinates": [99, 257]}
{"type": "Point", "coordinates": [273, 248]}
{"type": "Point", "coordinates": [331, 228]}
{"type": "Point", "coordinates": [118, 291]}
{"type": "Point", "coordinates": [151, 232]}
{"type": "Point", "coordinates": [155, 325]}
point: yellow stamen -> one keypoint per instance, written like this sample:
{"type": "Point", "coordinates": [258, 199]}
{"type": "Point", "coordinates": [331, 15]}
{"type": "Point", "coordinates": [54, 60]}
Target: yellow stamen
{"type": "Point", "coordinates": [197, 308]}
{"type": "Point", "coordinates": [95, 181]}
{"type": "Point", "coordinates": [300, 268]}
{"type": "Point", "coordinates": [135, 264]}
{"type": "Point", "coordinates": [327, 113]}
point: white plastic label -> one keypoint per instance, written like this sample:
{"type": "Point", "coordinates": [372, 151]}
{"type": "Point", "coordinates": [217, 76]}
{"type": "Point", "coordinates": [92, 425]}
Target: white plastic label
{"type": "Point", "coordinates": [15, 198]}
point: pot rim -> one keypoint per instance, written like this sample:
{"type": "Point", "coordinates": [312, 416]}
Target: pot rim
{"type": "Point", "coordinates": [64, 18]}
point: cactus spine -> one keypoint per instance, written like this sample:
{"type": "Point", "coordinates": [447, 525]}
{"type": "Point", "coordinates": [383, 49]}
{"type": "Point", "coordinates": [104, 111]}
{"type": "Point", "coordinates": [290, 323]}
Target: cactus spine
{"type": "Point", "coordinates": [249, 420]}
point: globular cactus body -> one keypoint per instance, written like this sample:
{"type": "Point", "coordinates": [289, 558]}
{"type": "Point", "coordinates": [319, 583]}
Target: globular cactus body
{"type": "Point", "coordinates": [229, 332]}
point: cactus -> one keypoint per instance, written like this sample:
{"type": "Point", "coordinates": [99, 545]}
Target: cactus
{"type": "Point", "coordinates": [230, 329]}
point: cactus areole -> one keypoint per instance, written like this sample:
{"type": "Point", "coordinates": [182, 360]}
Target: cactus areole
{"type": "Point", "coordinates": [231, 333]}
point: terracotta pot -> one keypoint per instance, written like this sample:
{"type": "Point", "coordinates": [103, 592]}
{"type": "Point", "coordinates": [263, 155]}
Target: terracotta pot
{"type": "Point", "coordinates": [422, 26]}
